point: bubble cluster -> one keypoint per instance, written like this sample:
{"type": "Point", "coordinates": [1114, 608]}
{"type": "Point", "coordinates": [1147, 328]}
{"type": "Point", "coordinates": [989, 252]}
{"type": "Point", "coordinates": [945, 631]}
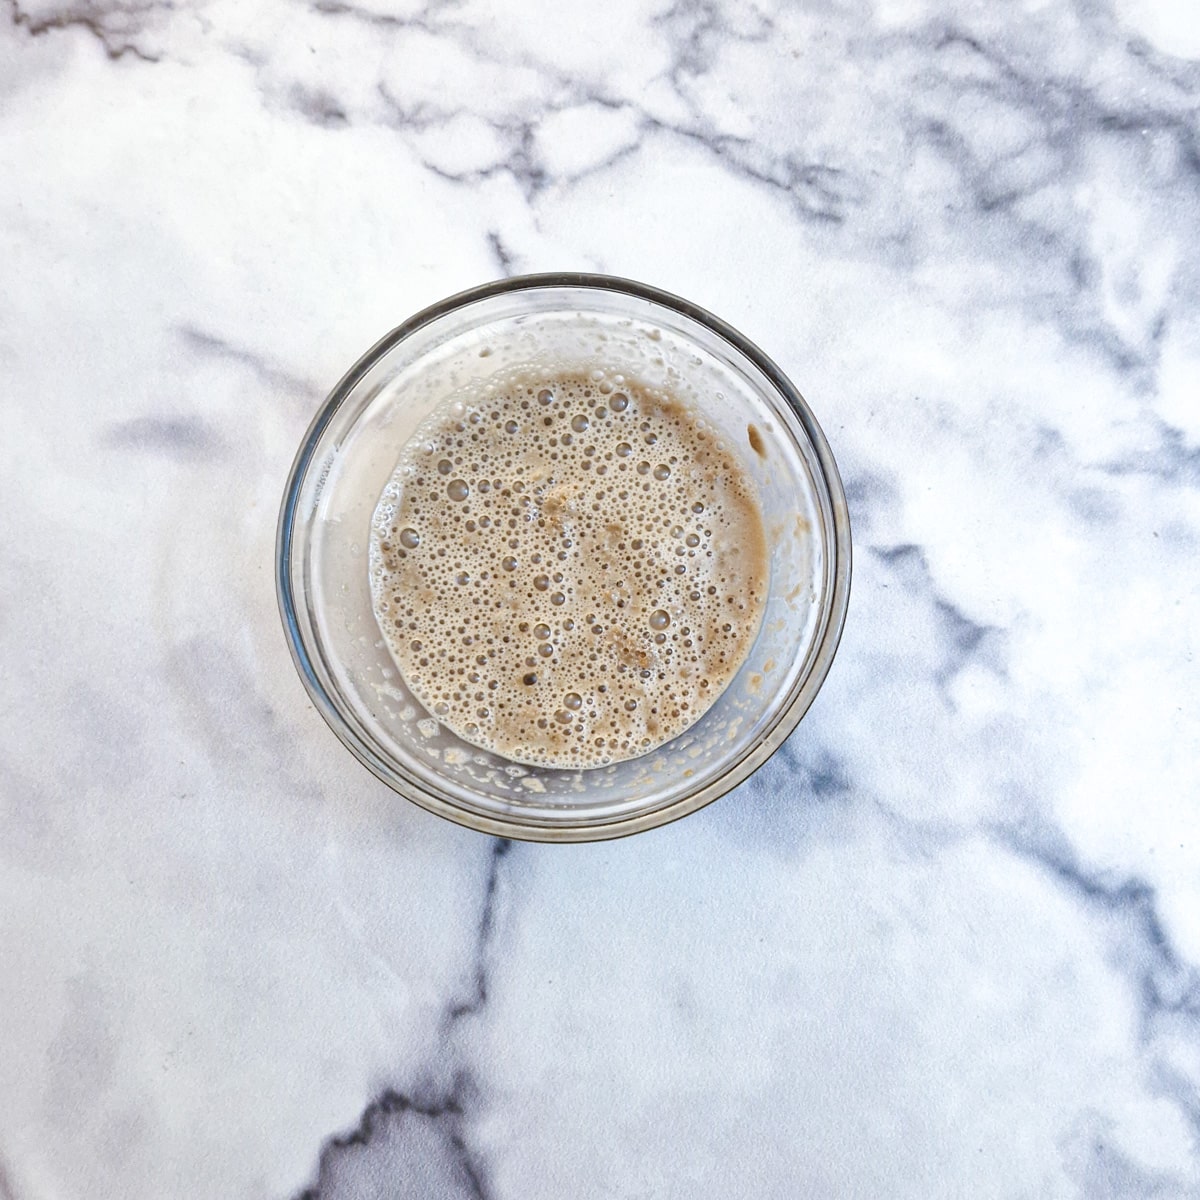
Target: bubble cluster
{"type": "Point", "coordinates": [568, 569]}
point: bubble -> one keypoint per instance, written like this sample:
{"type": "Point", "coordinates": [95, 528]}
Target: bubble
{"type": "Point", "coordinates": [563, 717]}
{"type": "Point", "coordinates": [533, 496]}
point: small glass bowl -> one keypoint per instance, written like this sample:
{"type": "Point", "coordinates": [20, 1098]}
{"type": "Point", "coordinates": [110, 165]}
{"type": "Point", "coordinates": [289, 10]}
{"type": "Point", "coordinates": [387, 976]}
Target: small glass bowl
{"type": "Point", "coordinates": [352, 447]}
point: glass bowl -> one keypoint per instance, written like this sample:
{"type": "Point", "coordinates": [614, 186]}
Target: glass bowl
{"type": "Point", "coordinates": [352, 447]}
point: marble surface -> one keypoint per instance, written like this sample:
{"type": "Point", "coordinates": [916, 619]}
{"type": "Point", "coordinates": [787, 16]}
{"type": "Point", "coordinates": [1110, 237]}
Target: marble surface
{"type": "Point", "coordinates": [946, 944]}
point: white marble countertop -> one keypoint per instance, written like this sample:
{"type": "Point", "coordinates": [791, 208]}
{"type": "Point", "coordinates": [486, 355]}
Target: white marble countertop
{"type": "Point", "coordinates": [946, 944]}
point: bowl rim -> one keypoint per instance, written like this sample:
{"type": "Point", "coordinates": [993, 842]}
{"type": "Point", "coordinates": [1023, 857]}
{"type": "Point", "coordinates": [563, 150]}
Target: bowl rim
{"type": "Point", "coordinates": [527, 829]}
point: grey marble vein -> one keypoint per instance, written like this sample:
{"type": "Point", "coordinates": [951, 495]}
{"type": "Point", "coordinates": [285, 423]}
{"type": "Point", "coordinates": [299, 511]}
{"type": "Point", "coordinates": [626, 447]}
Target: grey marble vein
{"type": "Point", "coordinates": [416, 1146]}
{"type": "Point", "coordinates": [961, 638]}
{"type": "Point", "coordinates": [209, 345]}
{"type": "Point", "coordinates": [401, 1149]}
{"type": "Point", "coordinates": [502, 254]}
{"type": "Point", "coordinates": [184, 438]}
{"type": "Point", "coordinates": [114, 26]}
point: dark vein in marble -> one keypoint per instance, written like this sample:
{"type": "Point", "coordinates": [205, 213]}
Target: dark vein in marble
{"type": "Point", "coordinates": [317, 107]}
{"type": "Point", "coordinates": [963, 633]}
{"type": "Point", "coordinates": [520, 162]}
{"type": "Point", "coordinates": [516, 131]}
{"type": "Point", "coordinates": [695, 29]}
{"type": "Point", "coordinates": [1183, 1092]}
{"type": "Point", "coordinates": [416, 118]}
{"type": "Point", "coordinates": [1064, 109]}
{"type": "Point", "coordinates": [185, 439]}
{"type": "Point", "coordinates": [502, 254]}
{"type": "Point", "coordinates": [814, 772]}
{"type": "Point", "coordinates": [1183, 73]}
{"type": "Point", "coordinates": [210, 345]}
{"type": "Point", "coordinates": [1167, 987]}
{"type": "Point", "coordinates": [1106, 1173]}
{"type": "Point", "coordinates": [477, 999]}
{"type": "Point", "coordinates": [334, 8]}
{"type": "Point", "coordinates": [1071, 103]}
{"type": "Point", "coordinates": [1166, 984]}
{"type": "Point", "coordinates": [961, 638]}
{"type": "Point", "coordinates": [424, 19]}
{"type": "Point", "coordinates": [115, 46]}
{"type": "Point", "coordinates": [816, 191]}
{"type": "Point", "coordinates": [1060, 105]}
{"type": "Point", "coordinates": [805, 792]}
{"type": "Point", "coordinates": [385, 1144]}
{"type": "Point", "coordinates": [7, 1191]}
{"type": "Point", "coordinates": [869, 495]}
{"type": "Point", "coordinates": [1171, 460]}
{"type": "Point", "coordinates": [388, 1148]}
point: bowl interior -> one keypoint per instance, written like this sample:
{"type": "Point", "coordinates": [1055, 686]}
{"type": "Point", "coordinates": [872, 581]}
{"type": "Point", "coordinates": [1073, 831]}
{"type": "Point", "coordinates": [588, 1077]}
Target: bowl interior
{"type": "Point", "coordinates": [351, 452]}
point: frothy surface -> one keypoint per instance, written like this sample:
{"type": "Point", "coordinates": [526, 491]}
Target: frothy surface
{"type": "Point", "coordinates": [568, 569]}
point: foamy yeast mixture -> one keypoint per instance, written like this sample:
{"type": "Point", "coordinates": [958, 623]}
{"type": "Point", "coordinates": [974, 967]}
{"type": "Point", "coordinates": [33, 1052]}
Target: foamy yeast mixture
{"type": "Point", "coordinates": [568, 569]}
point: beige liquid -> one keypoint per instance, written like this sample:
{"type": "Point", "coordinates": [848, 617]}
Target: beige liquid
{"type": "Point", "coordinates": [568, 569]}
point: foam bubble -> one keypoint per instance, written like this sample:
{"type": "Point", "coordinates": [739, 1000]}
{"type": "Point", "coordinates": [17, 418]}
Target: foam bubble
{"type": "Point", "coordinates": [548, 595]}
